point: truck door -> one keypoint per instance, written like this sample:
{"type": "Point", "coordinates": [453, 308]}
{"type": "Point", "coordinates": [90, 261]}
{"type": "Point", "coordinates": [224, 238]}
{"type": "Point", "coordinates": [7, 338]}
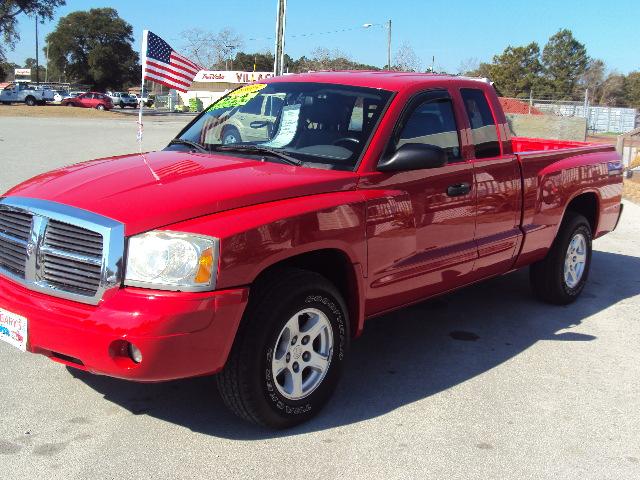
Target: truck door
{"type": "Point", "coordinates": [497, 179]}
{"type": "Point", "coordinates": [9, 94]}
{"type": "Point", "coordinates": [442, 202]}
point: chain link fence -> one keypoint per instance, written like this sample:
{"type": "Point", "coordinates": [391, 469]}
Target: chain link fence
{"type": "Point", "coordinates": [600, 119]}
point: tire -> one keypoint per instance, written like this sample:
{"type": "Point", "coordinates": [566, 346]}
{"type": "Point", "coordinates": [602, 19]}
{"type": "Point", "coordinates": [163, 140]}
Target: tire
{"type": "Point", "coordinates": [265, 342]}
{"type": "Point", "coordinates": [30, 101]}
{"type": "Point", "coordinates": [100, 107]}
{"type": "Point", "coordinates": [122, 105]}
{"type": "Point", "coordinates": [231, 135]}
{"type": "Point", "coordinates": [561, 276]}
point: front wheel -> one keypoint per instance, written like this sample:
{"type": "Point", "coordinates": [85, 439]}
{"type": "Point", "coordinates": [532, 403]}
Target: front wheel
{"type": "Point", "coordinates": [30, 101]}
{"type": "Point", "coordinates": [231, 135]}
{"type": "Point", "coordinates": [289, 352]}
{"type": "Point", "coordinates": [561, 276]}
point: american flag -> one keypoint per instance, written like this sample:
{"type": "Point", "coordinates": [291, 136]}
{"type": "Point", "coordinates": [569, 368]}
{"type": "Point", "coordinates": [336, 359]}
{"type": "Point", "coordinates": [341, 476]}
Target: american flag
{"type": "Point", "coordinates": [163, 65]}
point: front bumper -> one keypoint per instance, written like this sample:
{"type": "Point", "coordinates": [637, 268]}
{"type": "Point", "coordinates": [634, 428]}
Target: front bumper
{"type": "Point", "coordinates": [179, 334]}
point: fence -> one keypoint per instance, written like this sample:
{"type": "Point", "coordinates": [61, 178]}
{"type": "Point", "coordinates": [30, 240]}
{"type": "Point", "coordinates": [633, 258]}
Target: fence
{"type": "Point", "coordinates": [599, 119]}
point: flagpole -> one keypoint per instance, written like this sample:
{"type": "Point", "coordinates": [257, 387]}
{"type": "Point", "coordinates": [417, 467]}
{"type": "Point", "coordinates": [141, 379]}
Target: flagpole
{"type": "Point", "coordinates": [143, 58]}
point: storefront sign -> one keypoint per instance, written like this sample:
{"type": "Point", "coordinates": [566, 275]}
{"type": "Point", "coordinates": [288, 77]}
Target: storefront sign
{"type": "Point", "coordinates": [231, 77]}
{"type": "Point", "coordinates": [23, 72]}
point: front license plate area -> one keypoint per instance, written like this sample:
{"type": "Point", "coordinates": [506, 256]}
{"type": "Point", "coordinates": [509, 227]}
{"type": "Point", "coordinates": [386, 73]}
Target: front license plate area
{"type": "Point", "coordinates": [13, 329]}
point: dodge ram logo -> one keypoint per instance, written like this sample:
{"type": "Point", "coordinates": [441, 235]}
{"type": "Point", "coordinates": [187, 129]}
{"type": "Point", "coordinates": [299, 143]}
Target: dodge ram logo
{"type": "Point", "coordinates": [30, 249]}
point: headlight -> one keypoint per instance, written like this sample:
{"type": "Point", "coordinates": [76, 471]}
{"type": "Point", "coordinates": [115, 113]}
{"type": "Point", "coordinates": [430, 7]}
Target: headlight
{"type": "Point", "coordinates": [172, 261]}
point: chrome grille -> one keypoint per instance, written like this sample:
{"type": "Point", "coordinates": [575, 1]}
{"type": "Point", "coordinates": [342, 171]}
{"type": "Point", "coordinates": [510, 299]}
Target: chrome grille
{"type": "Point", "coordinates": [73, 239]}
{"type": "Point", "coordinates": [72, 259]}
{"type": "Point", "coordinates": [60, 250]}
{"type": "Point", "coordinates": [15, 228]}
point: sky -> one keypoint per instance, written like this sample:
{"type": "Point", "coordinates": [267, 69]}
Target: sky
{"type": "Point", "coordinates": [454, 32]}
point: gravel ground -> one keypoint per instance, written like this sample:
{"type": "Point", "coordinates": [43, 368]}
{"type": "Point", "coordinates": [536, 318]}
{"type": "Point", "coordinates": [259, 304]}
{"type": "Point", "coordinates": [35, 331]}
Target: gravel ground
{"type": "Point", "coordinates": [535, 391]}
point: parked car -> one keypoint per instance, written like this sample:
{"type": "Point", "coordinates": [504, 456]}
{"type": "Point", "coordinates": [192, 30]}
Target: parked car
{"type": "Point", "coordinates": [123, 99]}
{"type": "Point", "coordinates": [262, 260]}
{"type": "Point", "coordinates": [96, 100]}
{"type": "Point", "coordinates": [20, 92]}
{"type": "Point", "coordinates": [146, 99]}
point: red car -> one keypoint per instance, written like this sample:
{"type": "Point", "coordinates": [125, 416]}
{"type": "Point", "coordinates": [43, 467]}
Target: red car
{"type": "Point", "coordinates": [345, 195]}
{"type": "Point", "coordinates": [96, 100]}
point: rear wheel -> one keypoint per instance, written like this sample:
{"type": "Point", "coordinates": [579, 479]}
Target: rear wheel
{"type": "Point", "coordinates": [100, 107]}
{"type": "Point", "coordinates": [289, 352]}
{"type": "Point", "coordinates": [30, 101]}
{"type": "Point", "coordinates": [561, 276]}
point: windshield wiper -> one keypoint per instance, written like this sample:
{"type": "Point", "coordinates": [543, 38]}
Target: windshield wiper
{"type": "Point", "coordinates": [261, 149]}
{"type": "Point", "coordinates": [189, 143]}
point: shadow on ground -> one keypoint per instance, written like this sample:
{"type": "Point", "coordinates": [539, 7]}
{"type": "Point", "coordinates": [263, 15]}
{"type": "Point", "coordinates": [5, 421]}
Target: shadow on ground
{"type": "Point", "coordinates": [405, 356]}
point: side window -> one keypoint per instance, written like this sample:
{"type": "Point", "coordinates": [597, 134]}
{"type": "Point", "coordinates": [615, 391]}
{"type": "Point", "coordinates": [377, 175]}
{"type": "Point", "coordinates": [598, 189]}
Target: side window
{"type": "Point", "coordinates": [483, 126]}
{"type": "Point", "coordinates": [433, 123]}
{"type": "Point", "coordinates": [254, 106]}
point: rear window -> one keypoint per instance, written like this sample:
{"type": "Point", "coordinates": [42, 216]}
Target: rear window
{"type": "Point", "coordinates": [483, 125]}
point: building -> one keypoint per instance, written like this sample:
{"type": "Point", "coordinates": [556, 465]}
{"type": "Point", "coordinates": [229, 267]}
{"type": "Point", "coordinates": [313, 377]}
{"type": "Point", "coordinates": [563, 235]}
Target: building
{"type": "Point", "coordinates": [210, 85]}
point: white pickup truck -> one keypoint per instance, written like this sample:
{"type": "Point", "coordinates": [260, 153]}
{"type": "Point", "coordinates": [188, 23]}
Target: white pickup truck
{"type": "Point", "coordinates": [25, 93]}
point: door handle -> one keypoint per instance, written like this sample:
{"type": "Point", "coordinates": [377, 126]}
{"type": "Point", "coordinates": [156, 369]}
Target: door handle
{"type": "Point", "coordinates": [458, 189]}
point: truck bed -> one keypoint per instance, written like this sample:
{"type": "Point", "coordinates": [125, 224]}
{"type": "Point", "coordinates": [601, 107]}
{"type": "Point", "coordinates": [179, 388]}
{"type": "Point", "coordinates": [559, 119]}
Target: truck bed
{"type": "Point", "coordinates": [522, 145]}
{"type": "Point", "coordinates": [553, 172]}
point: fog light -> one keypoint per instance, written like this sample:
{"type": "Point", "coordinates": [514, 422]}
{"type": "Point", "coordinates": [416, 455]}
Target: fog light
{"type": "Point", "coordinates": [135, 353]}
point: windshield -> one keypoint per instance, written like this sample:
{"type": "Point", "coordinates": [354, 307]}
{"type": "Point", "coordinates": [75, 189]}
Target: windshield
{"type": "Point", "coordinates": [317, 123]}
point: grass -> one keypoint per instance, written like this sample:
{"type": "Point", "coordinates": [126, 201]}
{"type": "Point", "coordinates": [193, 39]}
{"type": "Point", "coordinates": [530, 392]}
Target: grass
{"type": "Point", "coordinates": [18, 110]}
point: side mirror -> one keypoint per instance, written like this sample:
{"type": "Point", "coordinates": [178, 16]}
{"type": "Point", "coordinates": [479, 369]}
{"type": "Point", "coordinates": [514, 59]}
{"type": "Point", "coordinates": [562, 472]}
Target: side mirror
{"type": "Point", "coordinates": [414, 156]}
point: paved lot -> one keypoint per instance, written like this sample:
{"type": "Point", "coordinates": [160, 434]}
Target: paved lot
{"type": "Point", "coordinates": [543, 392]}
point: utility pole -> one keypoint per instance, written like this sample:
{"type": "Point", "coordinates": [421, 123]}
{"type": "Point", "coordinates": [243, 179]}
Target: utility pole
{"type": "Point", "coordinates": [46, 72]}
{"type": "Point", "coordinates": [37, 48]}
{"type": "Point", "coordinates": [389, 45]}
{"type": "Point", "coordinates": [278, 64]}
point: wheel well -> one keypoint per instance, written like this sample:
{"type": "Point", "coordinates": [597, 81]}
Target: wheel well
{"type": "Point", "coordinates": [586, 204]}
{"type": "Point", "coordinates": [332, 264]}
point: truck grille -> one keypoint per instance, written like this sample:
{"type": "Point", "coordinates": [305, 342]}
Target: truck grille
{"type": "Point", "coordinates": [72, 259]}
{"type": "Point", "coordinates": [59, 250]}
{"type": "Point", "coordinates": [15, 228]}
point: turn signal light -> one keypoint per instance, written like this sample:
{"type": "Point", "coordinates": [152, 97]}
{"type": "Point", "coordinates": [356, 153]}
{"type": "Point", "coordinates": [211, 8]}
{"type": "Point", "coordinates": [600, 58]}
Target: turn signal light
{"type": "Point", "coordinates": [205, 266]}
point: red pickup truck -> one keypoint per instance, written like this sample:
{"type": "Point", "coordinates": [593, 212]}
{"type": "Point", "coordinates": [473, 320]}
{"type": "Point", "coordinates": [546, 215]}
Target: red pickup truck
{"type": "Point", "coordinates": [258, 243]}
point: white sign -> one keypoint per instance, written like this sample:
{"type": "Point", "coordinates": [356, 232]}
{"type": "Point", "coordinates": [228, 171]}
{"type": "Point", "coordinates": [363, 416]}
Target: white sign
{"type": "Point", "coordinates": [23, 72]}
{"type": "Point", "coordinates": [223, 76]}
{"type": "Point", "coordinates": [288, 127]}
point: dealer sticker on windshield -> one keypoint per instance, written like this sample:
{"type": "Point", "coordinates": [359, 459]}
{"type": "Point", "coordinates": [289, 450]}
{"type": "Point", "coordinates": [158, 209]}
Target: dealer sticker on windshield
{"type": "Point", "coordinates": [241, 96]}
{"type": "Point", "coordinates": [13, 329]}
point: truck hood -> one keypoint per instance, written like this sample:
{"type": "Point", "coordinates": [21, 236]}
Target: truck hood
{"type": "Point", "coordinates": [146, 191]}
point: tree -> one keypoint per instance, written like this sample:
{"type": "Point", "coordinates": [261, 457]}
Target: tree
{"type": "Point", "coordinates": [516, 71]}
{"type": "Point", "coordinates": [592, 80]}
{"type": "Point", "coordinates": [7, 71]}
{"type": "Point", "coordinates": [565, 61]}
{"type": "Point", "coordinates": [405, 59]}
{"type": "Point", "coordinates": [95, 48]}
{"type": "Point", "coordinates": [632, 89]}
{"type": "Point", "coordinates": [324, 59]}
{"type": "Point", "coordinates": [211, 50]}
{"type": "Point", "coordinates": [31, 63]}
{"type": "Point", "coordinates": [11, 9]}
{"type": "Point", "coordinates": [613, 91]}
